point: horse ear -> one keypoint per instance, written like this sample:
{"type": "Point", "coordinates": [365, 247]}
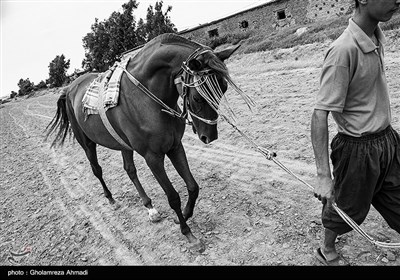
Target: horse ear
{"type": "Point", "coordinates": [226, 53]}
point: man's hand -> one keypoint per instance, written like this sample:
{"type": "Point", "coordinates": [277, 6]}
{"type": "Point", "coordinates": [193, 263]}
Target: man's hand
{"type": "Point", "coordinates": [319, 138]}
{"type": "Point", "coordinates": [323, 189]}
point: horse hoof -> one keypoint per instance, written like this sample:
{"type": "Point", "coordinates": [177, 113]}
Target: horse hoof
{"type": "Point", "coordinates": [115, 205]}
{"type": "Point", "coordinates": [154, 216]}
{"type": "Point", "coordinates": [176, 220]}
{"type": "Point", "coordinates": [197, 247]}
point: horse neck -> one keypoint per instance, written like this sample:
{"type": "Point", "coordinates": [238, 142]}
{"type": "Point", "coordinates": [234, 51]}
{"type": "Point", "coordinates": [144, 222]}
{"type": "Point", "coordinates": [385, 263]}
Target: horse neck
{"type": "Point", "coordinates": [157, 67]}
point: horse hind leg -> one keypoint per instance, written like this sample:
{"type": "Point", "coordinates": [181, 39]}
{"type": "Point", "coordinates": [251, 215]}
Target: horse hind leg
{"type": "Point", "coordinates": [130, 169]}
{"type": "Point", "coordinates": [90, 150]}
{"type": "Point", "coordinates": [91, 154]}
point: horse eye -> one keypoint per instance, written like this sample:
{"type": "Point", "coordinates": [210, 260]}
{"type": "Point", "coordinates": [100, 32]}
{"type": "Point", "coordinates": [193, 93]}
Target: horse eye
{"type": "Point", "coordinates": [197, 99]}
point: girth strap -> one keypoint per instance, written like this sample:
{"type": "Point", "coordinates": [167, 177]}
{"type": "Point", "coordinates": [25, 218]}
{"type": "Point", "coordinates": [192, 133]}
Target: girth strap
{"type": "Point", "coordinates": [106, 122]}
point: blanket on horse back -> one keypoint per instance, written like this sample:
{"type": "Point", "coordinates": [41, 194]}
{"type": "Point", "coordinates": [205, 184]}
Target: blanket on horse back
{"type": "Point", "coordinates": [111, 82]}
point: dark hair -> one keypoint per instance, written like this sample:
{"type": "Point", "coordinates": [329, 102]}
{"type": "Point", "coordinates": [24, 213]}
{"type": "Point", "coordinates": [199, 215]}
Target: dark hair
{"type": "Point", "coordinates": [357, 4]}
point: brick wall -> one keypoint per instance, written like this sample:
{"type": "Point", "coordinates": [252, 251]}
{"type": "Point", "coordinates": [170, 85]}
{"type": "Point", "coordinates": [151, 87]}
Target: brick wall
{"type": "Point", "coordinates": [272, 16]}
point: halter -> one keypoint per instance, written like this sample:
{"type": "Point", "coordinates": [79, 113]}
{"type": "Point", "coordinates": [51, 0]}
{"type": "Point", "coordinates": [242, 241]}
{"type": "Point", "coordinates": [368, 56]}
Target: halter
{"type": "Point", "coordinates": [206, 84]}
{"type": "Point", "coordinates": [199, 79]}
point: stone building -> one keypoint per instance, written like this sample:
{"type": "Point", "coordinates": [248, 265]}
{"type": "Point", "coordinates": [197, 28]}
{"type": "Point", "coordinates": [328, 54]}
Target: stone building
{"type": "Point", "coordinates": [271, 16]}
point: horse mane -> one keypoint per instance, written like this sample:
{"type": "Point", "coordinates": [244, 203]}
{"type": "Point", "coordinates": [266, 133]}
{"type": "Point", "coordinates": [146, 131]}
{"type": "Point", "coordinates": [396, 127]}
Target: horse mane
{"type": "Point", "coordinates": [165, 38]}
{"type": "Point", "coordinates": [210, 58]}
{"type": "Point", "coordinates": [174, 39]}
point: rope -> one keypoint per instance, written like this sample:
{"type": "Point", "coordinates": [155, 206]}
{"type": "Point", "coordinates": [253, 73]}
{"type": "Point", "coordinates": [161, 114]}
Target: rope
{"type": "Point", "coordinates": [271, 156]}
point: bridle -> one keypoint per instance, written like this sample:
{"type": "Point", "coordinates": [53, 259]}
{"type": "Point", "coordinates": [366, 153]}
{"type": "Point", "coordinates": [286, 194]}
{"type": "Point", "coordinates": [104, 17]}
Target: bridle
{"type": "Point", "coordinates": [196, 79]}
{"type": "Point", "coordinates": [184, 76]}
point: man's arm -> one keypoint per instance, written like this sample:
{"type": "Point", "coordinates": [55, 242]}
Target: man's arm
{"type": "Point", "coordinates": [320, 142]}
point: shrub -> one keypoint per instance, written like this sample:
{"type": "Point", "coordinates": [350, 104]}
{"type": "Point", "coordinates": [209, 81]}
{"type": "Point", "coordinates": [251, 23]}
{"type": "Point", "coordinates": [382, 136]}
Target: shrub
{"type": "Point", "coordinates": [25, 87]}
{"type": "Point", "coordinates": [40, 85]}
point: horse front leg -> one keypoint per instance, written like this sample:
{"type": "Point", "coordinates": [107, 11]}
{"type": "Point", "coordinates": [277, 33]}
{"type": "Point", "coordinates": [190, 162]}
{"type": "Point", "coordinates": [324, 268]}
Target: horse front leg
{"type": "Point", "coordinates": [179, 160]}
{"type": "Point", "coordinates": [130, 169]}
{"type": "Point", "coordinates": [156, 165]}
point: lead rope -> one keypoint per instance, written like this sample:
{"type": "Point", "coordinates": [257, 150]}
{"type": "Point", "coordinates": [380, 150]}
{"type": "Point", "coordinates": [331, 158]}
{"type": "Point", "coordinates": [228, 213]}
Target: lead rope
{"type": "Point", "coordinates": [271, 156]}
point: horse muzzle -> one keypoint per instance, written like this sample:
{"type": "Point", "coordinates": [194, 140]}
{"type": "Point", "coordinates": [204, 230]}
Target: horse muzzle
{"type": "Point", "coordinates": [207, 133]}
{"type": "Point", "coordinates": [206, 139]}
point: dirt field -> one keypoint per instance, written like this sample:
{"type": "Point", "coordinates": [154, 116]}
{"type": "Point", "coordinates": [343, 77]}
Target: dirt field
{"type": "Point", "coordinates": [250, 212]}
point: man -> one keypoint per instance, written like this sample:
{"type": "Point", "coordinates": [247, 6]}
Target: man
{"type": "Point", "coordinates": [366, 150]}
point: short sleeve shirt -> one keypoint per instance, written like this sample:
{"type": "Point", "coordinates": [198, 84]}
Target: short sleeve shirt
{"type": "Point", "coordinates": [353, 83]}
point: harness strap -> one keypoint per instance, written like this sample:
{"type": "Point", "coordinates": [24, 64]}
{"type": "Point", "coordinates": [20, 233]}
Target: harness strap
{"type": "Point", "coordinates": [106, 122]}
{"type": "Point", "coordinates": [167, 109]}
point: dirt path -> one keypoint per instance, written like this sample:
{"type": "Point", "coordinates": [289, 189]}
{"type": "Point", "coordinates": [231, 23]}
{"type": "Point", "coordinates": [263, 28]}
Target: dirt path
{"type": "Point", "coordinates": [249, 212]}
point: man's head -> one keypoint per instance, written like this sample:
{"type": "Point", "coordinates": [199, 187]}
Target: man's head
{"type": "Point", "coordinates": [379, 10]}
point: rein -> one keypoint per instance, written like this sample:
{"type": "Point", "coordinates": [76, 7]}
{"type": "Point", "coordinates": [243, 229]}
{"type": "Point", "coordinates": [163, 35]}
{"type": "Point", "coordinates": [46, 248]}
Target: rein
{"type": "Point", "coordinates": [184, 76]}
{"type": "Point", "coordinates": [271, 156]}
{"type": "Point", "coordinates": [166, 109]}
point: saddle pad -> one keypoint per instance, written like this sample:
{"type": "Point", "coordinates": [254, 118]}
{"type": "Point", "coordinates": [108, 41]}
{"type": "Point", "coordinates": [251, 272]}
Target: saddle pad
{"type": "Point", "coordinates": [111, 89]}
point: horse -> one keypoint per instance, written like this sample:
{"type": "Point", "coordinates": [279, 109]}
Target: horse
{"type": "Point", "coordinates": [148, 119]}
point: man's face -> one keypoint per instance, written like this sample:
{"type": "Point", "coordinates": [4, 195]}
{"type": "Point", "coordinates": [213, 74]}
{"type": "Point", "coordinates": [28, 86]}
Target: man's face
{"type": "Point", "coordinates": [382, 10]}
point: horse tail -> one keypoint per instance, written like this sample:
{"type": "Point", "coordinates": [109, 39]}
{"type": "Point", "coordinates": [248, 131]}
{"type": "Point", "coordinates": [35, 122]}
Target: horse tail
{"type": "Point", "coordinates": [60, 121]}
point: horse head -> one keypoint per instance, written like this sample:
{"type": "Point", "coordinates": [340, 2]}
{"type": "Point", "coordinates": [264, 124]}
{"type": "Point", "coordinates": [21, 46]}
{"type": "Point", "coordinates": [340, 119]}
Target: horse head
{"type": "Point", "coordinates": [203, 82]}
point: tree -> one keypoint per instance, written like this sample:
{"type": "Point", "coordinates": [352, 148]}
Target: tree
{"type": "Point", "coordinates": [141, 32]}
{"type": "Point", "coordinates": [96, 44]}
{"type": "Point", "coordinates": [25, 87]}
{"type": "Point", "coordinates": [120, 33]}
{"type": "Point", "coordinates": [57, 71]}
{"type": "Point", "coordinates": [110, 38]}
{"type": "Point", "coordinates": [157, 22]}
{"type": "Point", "coordinates": [40, 85]}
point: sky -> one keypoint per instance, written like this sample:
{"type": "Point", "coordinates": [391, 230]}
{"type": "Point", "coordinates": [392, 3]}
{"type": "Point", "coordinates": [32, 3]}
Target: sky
{"type": "Point", "coordinates": [34, 32]}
